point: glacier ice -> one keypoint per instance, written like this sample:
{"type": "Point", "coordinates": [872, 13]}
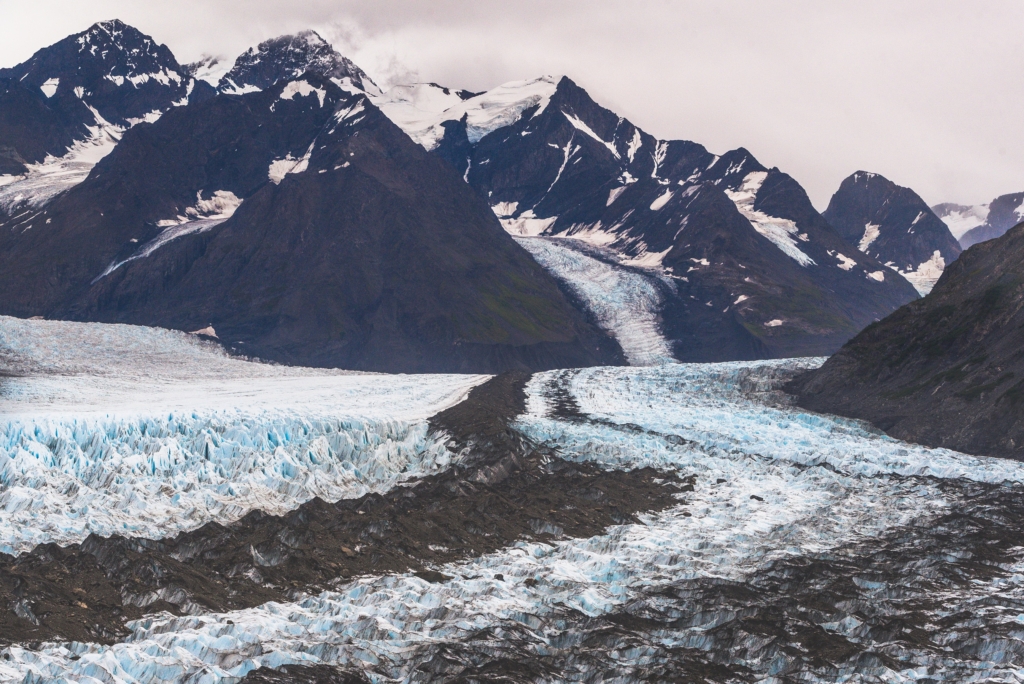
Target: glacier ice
{"type": "Point", "coordinates": [774, 483]}
{"type": "Point", "coordinates": [116, 429]}
{"type": "Point", "coordinates": [625, 301]}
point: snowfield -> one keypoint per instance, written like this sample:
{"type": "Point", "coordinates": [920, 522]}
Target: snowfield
{"type": "Point", "coordinates": [146, 432]}
{"type": "Point", "coordinates": [784, 501]}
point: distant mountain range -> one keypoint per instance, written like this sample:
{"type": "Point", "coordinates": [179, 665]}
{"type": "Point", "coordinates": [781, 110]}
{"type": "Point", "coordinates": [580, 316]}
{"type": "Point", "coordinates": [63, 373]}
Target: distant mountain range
{"type": "Point", "coordinates": [972, 224]}
{"type": "Point", "coordinates": [214, 196]}
{"type": "Point", "coordinates": [739, 262]}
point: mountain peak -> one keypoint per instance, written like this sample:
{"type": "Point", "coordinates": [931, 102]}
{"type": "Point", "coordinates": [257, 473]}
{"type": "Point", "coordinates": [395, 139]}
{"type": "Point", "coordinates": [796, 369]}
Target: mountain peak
{"type": "Point", "coordinates": [893, 224]}
{"type": "Point", "coordinates": [289, 56]}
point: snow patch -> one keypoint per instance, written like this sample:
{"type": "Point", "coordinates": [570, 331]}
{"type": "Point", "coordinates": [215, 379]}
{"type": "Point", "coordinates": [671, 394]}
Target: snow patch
{"type": "Point", "coordinates": [845, 262]}
{"type": "Point", "coordinates": [613, 195]}
{"type": "Point", "coordinates": [774, 323]}
{"type": "Point", "coordinates": [579, 125]}
{"type": "Point", "coordinates": [505, 209]}
{"type": "Point", "coordinates": [870, 235]}
{"type": "Point", "coordinates": [634, 145]}
{"type": "Point", "coordinates": [778, 230]}
{"type": "Point", "coordinates": [302, 88]}
{"type": "Point", "coordinates": [661, 201]}
{"type": "Point", "coordinates": [49, 88]}
{"type": "Point", "coordinates": [924, 277]}
{"type": "Point", "coordinates": [877, 275]}
{"type": "Point", "coordinates": [279, 168]}
{"type": "Point", "coordinates": [527, 225]}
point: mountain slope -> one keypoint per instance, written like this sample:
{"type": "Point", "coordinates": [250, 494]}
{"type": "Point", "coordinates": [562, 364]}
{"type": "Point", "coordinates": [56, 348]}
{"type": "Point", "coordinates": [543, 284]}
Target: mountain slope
{"type": "Point", "coordinates": [303, 226]}
{"type": "Point", "coordinates": [66, 107]}
{"type": "Point", "coordinates": [947, 370]}
{"type": "Point", "coordinates": [553, 163]}
{"type": "Point", "coordinates": [287, 57]}
{"type": "Point", "coordinates": [984, 221]}
{"type": "Point", "coordinates": [894, 225]}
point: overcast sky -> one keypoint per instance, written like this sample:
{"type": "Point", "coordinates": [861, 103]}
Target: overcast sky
{"type": "Point", "coordinates": [929, 93]}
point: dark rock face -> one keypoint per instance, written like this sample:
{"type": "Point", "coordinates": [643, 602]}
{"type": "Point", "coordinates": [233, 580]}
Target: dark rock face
{"type": "Point", "coordinates": [31, 126]}
{"type": "Point", "coordinates": [947, 370]}
{"type": "Point", "coordinates": [894, 225]}
{"type": "Point", "coordinates": [288, 57]}
{"type": "Point", "coordinates": [111, 71]}
{"type": "Point", "coordinates": [1001, 214]}
{"type": "Point", "coordinates": [352, 246]}
{"type": "Point", "coordinates": [757, 271]}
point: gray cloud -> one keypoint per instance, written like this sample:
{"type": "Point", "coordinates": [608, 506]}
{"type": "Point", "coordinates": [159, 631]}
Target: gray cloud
{"type": "Point", "coordinates": [926, 92]}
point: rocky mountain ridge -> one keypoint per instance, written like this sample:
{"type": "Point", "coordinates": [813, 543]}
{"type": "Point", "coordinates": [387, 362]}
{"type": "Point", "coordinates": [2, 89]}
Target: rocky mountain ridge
{"type": "Point", "coordinates": [752, 270]}
{"type": "Point", "coordinates": [977, 223]}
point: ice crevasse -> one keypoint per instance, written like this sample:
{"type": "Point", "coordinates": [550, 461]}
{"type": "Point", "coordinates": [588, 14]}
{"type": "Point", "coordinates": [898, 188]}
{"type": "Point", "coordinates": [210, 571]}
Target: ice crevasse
{"type": "Point", "coordinates": [773, 482]}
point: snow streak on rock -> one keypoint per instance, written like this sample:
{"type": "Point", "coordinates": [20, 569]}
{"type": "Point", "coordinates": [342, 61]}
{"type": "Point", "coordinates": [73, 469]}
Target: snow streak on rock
{"type": "Point", "coordinates": [52, 176]}
{"type": "Point", "coordinates": [779, 230]}
{"type": "Point", "coordinates": [624, 301]}
{"type": "Point", "coordinates": [833, 540]}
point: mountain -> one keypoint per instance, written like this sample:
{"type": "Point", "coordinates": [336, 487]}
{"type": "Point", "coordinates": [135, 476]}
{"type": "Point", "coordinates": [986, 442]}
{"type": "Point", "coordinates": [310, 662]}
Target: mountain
{"type": "Point", "coordinates": [67, 106]}
{"type": "Point", "coordinates": [894, 225]}
{"type": "Point", "coordinates": [287, 57]}
{"type": "Point", "coordinates": [735, 263]}
{"type": "Point", "coordinates": [982, 222]}
{"type": "Point", "coordinates": [297, 224]}
{"type": "Point", "coordinates": [946, 370]}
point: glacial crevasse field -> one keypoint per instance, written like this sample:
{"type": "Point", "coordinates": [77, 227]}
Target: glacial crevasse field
{"type": "Point", "coordinates": [807, 548]}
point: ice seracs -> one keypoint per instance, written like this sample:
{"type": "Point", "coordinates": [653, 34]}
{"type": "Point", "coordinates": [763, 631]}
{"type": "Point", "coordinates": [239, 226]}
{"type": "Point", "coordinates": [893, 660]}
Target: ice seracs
{"type": "Point", "coordinates": [146, 432]}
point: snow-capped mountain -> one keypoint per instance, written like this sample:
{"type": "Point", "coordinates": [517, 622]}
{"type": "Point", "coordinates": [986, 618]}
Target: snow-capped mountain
{"type": "Point", "coordinates": [742, 264]}
{"type": "Point", "coordinates": [894, 225]}
{"type": "Point", "coordinates": [302, 225]}
{"type": "Point", "coordinates": [287, 57]}
{"type": "Point", "coordinates": [976, 223]}
{"type": "Point", "coordinates": [67, 106]}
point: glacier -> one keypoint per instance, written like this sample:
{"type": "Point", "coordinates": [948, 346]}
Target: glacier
{"type": "Point", "coordinates": [111, 429]}
{"type": "Point", "coordinates": [787, 506]}
{"type": "Point", "coordinates": [624, 301]}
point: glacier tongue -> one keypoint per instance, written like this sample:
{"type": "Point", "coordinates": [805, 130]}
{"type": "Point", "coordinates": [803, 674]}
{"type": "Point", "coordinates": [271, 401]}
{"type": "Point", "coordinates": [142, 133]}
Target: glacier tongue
{"type": "Point", "coordinates": [777, 489]}
{"type": "Point", "coordinates": [624, 301]}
